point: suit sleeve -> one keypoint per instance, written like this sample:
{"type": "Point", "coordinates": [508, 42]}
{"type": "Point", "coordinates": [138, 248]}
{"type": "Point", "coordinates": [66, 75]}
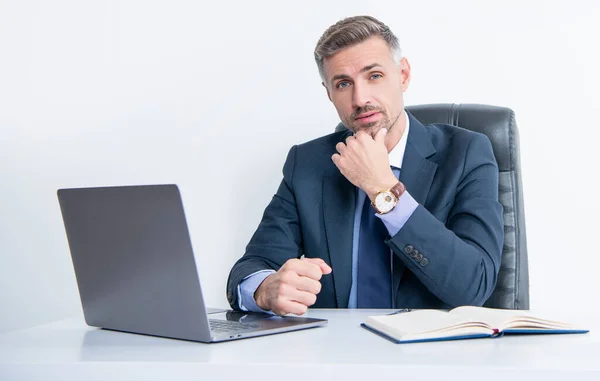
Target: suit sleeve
{"type": "Point", "coordinates": [459, 260]}
{"type": "Point", "coordinates": [277, 238]}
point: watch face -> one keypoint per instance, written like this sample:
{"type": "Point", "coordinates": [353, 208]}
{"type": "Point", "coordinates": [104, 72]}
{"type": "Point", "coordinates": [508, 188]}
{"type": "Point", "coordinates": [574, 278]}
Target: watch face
{"type": "Point", "coordinates": [385, 201]}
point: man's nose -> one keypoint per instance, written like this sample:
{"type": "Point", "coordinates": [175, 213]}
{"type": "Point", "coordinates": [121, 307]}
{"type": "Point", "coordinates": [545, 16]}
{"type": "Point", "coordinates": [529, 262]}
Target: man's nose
{"type": "Point", "coordinates": [360, 96]}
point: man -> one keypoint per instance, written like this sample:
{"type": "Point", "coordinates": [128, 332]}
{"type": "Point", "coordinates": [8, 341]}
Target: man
{"type": "Point", "coordinates": [387, 214]}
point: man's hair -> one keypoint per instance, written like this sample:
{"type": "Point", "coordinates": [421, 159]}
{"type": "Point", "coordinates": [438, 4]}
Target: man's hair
{"type": "Point", "coordinates": [351, 31]}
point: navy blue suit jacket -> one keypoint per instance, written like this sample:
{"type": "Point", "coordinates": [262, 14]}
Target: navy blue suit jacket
{"type": "Point", "coordinates": [447, 254]}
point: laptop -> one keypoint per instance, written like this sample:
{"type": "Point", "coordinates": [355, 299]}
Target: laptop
{"type": "Point", "coordinates": [136, 272]}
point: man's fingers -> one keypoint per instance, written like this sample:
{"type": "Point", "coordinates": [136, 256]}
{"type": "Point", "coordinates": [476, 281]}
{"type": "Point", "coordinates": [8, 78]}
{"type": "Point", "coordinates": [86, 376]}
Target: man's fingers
{"type": "Point", "coordinates": [380, 135]}
{"type": "Point", "coordinates": [321, 263]}
{"type": "Point", "coordinates": [309, 285]}
{"type": "Point", "coordinates": [308, 269]}
{"type": "Point", "coordinates": [303, 297]}
{"type": "Point", "coordinates": [350, 140]}
{"type": "Point", "coordinates": [291, 307]}
{"type": "Point", "coordinates": [325, 268]}
{"type": "Point", "coordinates": [336, 157]}
{"type": "Point", "coordinates": [361, 135]}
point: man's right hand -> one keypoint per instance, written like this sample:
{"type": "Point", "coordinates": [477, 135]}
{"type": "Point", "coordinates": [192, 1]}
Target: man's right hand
{"type": "Point", "coordinates": [293, 288]}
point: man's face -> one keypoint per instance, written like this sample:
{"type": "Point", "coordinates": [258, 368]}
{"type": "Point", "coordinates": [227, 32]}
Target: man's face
{"type": "Point", "coordinates": [366, 85]}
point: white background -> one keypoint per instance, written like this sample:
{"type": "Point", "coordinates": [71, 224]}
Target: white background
{"type": "Point", "coordinates": [211, 95]}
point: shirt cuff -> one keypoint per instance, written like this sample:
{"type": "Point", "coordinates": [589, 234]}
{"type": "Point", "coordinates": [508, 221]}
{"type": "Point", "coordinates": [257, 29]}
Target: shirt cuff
{"type": "Point", "coordinates": [395, 220]}
{"type": "Point", "coordinates": [248, 287]}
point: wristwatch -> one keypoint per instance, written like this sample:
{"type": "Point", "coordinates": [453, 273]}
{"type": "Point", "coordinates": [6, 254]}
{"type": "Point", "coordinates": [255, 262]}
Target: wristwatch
{"type": "Point", "coordinates": [385, 200]}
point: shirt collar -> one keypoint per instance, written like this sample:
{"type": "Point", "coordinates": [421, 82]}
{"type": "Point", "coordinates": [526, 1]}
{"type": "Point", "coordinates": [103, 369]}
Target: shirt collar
{"type": "Point", "coordinates": [396, 155]}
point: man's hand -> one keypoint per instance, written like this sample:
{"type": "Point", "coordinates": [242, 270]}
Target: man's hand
{"type": "Point", "coordinates": [365, 163]}
{"type": "Point", "coordinates": [293, 288]}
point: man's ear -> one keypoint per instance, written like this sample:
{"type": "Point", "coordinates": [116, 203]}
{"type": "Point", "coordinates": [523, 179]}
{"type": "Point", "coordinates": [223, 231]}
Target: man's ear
{"type": "Point", "coordinates": [327, 89]}
{"type": "Point", "coordinates": [404, 69]}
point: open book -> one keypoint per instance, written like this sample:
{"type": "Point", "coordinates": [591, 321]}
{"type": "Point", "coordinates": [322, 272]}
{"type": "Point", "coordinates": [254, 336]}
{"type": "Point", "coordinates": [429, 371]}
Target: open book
{"type": "Point", "coordinates": [461, 323]}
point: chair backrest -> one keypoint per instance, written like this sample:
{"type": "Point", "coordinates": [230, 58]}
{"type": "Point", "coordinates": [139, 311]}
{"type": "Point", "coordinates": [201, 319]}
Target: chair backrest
{"type": "Point", "coordinates": [498, 123]}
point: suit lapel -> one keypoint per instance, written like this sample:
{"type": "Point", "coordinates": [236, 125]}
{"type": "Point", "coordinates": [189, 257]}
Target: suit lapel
{"type": "Point", "coordinates": [416, 174]}
{"type": "Point", "coordinates": [339, 199]}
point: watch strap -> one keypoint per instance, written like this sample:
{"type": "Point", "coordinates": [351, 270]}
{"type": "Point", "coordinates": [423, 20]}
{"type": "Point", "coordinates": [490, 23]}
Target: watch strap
{"type": "Point", "coordinates": [398, 189]}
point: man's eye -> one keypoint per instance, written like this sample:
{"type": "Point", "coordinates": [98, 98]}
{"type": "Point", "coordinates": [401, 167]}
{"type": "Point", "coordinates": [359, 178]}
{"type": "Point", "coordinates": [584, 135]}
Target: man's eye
{"type": "Point", "coordinates": [343, 84]}
{"type": "Point", "coordinates": [375, 76]}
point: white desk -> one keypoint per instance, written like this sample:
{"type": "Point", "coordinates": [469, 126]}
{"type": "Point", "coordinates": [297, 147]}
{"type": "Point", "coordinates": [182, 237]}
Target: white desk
{"type": "Point", "coordinates": [70, 350]}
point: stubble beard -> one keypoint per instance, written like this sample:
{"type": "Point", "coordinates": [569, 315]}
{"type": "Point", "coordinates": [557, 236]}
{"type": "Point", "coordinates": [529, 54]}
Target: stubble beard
{"type": "Point", "coordinates": [374, 127]}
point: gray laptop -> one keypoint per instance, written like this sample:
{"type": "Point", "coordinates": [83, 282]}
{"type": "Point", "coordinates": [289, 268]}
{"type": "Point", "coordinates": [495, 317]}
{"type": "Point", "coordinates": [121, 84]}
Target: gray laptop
{"type": "Point", "coordinates": [136, 271]}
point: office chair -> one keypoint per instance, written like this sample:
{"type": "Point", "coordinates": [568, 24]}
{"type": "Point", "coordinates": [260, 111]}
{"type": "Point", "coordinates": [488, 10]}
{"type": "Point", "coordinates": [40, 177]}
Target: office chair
{"type": "Point", "coordinates": [499, 125]}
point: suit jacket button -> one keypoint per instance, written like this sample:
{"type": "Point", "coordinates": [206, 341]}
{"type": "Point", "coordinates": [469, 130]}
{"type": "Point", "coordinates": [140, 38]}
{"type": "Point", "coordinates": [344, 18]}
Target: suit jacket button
{"type": "Point", "coordinates": [424, 262]}
{"type": "Point", "coordinates": [408, 249]}
{"type": "Point", "coordinates": [414, 253]}
{"type": "Point", "coordinates": [419, 257]}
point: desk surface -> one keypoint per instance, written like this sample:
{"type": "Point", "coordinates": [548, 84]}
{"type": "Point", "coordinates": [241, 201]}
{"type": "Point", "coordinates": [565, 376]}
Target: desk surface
{"type": "Point", "coordinates": [70, 350]}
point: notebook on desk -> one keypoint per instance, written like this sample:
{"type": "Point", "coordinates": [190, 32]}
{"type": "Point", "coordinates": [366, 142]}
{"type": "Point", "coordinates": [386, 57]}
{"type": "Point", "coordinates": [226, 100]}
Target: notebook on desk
{"type": "Point", "coordinates": [462, 323]}
{"type": "Point", "coordinates": [136, 271]}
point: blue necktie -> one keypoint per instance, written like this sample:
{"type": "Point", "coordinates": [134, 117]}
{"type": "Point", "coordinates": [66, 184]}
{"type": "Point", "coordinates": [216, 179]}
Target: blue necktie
{"type": "Point", "coordinates": [374, 268]}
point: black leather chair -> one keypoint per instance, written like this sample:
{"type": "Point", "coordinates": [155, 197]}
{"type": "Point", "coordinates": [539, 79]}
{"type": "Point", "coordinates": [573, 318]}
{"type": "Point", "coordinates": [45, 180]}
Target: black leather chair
{"type": "Point", "coordinates": [498, 123]}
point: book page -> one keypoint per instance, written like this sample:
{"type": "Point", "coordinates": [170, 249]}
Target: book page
{"type": "Point", "coordinates": [496, 318]}
{"type": "Point", "coordinates": [425, 324]}
{"type": "Point", "coordinates": [502, 319]}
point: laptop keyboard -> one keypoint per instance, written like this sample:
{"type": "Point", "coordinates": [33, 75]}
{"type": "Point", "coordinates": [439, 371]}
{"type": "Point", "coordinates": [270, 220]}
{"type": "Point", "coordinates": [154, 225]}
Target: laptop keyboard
{"type": "Point", "coordinates": [229, 326]}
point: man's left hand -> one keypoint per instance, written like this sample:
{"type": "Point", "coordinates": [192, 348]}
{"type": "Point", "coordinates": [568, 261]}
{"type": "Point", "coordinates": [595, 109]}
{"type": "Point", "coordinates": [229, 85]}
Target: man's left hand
{"type": "Point", "coordinates": [364, 161]}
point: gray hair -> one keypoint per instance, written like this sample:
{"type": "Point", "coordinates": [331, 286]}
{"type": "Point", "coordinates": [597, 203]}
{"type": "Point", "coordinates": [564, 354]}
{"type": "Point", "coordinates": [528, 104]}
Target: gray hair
{"type": "Point", "coordinates": [351, 31]}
